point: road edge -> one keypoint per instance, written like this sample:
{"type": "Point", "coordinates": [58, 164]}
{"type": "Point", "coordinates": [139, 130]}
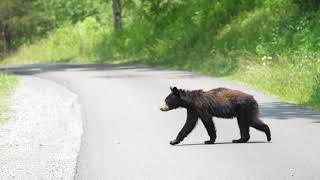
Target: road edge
{"type": "Point", "coordinates": [43, 136]}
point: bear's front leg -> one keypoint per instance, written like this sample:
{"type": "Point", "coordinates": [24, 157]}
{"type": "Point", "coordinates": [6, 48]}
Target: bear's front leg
{"type": "Point", "coordinates": [210, 141]}
{"type": "Point", "coordinates": [191, 122]}
{"type": "Point", "coordinates": [174, 142]}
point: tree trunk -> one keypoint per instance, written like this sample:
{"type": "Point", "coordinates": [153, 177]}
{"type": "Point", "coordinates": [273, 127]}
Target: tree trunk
{"type": "Point", "coordinates": [7, 40]}
{"type": "Point", "coordinates": [116, 8]}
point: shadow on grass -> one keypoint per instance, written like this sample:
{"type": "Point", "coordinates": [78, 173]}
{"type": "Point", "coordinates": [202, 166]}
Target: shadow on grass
{"type": "Point", "coordinates": [315, 97]}
{"type": "Point", "coordinates": [119, 70]}
{"type": "Point", "coordinates": [283, 111]}
{"type": "Point", "coordinates": [34, 69]}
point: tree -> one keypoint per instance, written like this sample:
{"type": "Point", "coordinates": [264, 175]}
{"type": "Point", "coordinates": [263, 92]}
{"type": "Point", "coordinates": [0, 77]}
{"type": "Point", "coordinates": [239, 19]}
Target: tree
{"type": "Point", "coordinates": [17, 22]}
{"type": "Point", "coordinates": [20, 22]}
{"type": "Point", "coordinates": [116, 8]}
{"type": "Point", "coordinates": [11, 13]}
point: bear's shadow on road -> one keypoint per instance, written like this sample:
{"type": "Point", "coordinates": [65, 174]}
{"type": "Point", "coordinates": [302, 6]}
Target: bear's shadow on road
{"type": "Point", "coordinates": [222, 143]}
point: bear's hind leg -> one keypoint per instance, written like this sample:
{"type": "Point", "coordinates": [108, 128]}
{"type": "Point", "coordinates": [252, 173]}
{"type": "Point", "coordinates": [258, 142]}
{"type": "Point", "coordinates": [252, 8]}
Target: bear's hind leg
{"type": "Point", "coordinates": [211, 129]}
{"type": "Point", "coordinates": [261, 126]}
{"type": "Point", "coordinates": [244, 130]}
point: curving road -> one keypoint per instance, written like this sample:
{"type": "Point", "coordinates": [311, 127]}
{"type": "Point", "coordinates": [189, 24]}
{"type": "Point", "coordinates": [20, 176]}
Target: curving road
{"type": "Point", "coordinates": [127, 137]}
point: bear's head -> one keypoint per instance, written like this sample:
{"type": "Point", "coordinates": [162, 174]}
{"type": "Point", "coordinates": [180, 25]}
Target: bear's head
{"type": "Point", "coordinates": [173, 100]}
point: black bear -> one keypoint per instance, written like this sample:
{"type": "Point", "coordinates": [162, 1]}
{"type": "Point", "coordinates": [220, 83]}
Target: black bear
{"type": "Point", "coordinates": [220, 102]}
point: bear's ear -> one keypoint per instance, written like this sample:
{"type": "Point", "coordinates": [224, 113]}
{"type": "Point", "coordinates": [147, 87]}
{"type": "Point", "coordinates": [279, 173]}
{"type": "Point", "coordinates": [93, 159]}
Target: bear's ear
{"type": "Point", "coordinates": [175, 91]}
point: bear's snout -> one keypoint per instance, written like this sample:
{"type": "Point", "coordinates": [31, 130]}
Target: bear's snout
{"type": "Point", "coordinates": [164, 107]}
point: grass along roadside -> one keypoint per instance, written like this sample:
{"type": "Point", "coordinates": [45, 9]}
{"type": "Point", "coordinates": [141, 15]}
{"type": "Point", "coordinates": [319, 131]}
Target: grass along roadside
{"type": "Point", "coordinates": [270, 45]}
{"type": "Point", "coordinates": [295, 82]}
{"type": "Point", "coordinates": [298, 84]}
{"type": "Point", "coordinates": [7, 83]}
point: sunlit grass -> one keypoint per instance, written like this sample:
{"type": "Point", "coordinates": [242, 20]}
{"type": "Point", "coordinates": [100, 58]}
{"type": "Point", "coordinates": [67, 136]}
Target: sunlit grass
{"type": "Point", "coordinates": [7, 83]}
{"type": "Point", "coordinates": [270, 45]}
{"type": "Point", "coordinates": [290, 82]}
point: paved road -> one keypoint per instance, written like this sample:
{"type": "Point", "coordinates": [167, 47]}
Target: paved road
{"type": "Point", "coordinates": [127, 137]}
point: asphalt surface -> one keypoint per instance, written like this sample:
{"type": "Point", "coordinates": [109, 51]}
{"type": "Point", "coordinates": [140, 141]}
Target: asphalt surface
{"type": "Point", "coordinates": [126, 136]}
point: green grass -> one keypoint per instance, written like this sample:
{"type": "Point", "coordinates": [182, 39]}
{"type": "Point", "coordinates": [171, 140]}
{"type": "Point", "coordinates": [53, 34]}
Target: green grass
{"type": "Point", "coordinates": [7, 83]}
{"type": "Point", "coordinates": [288, 82]}
{"type": "Point", "coordinates": [271, 45]}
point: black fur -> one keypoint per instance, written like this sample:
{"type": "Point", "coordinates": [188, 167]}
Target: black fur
{"type": "Point", "coordinates": [220, 102]}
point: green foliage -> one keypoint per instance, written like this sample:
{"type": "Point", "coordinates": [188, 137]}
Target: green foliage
{"type": "Point", "coordinates": [70, 10]}
{"type": "Point", "coordinates": [24, 21]}
{"type": "Point", "coordinates": [17, 23]}
{"type": "Point", "coordinates": [273, 44]}
{"type": "Point", "coordinates": [7, 82]}
{"type": "Point", "coordinates": [307, 5]}
{"type": "Point", "coordinates": [73, 42]}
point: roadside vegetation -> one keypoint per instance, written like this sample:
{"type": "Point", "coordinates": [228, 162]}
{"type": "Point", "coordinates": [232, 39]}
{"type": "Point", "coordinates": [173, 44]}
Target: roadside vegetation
{"type": "Point", "coordinates": [7, 83]}
{"type": "Point", "coordinates": [272, 45]}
